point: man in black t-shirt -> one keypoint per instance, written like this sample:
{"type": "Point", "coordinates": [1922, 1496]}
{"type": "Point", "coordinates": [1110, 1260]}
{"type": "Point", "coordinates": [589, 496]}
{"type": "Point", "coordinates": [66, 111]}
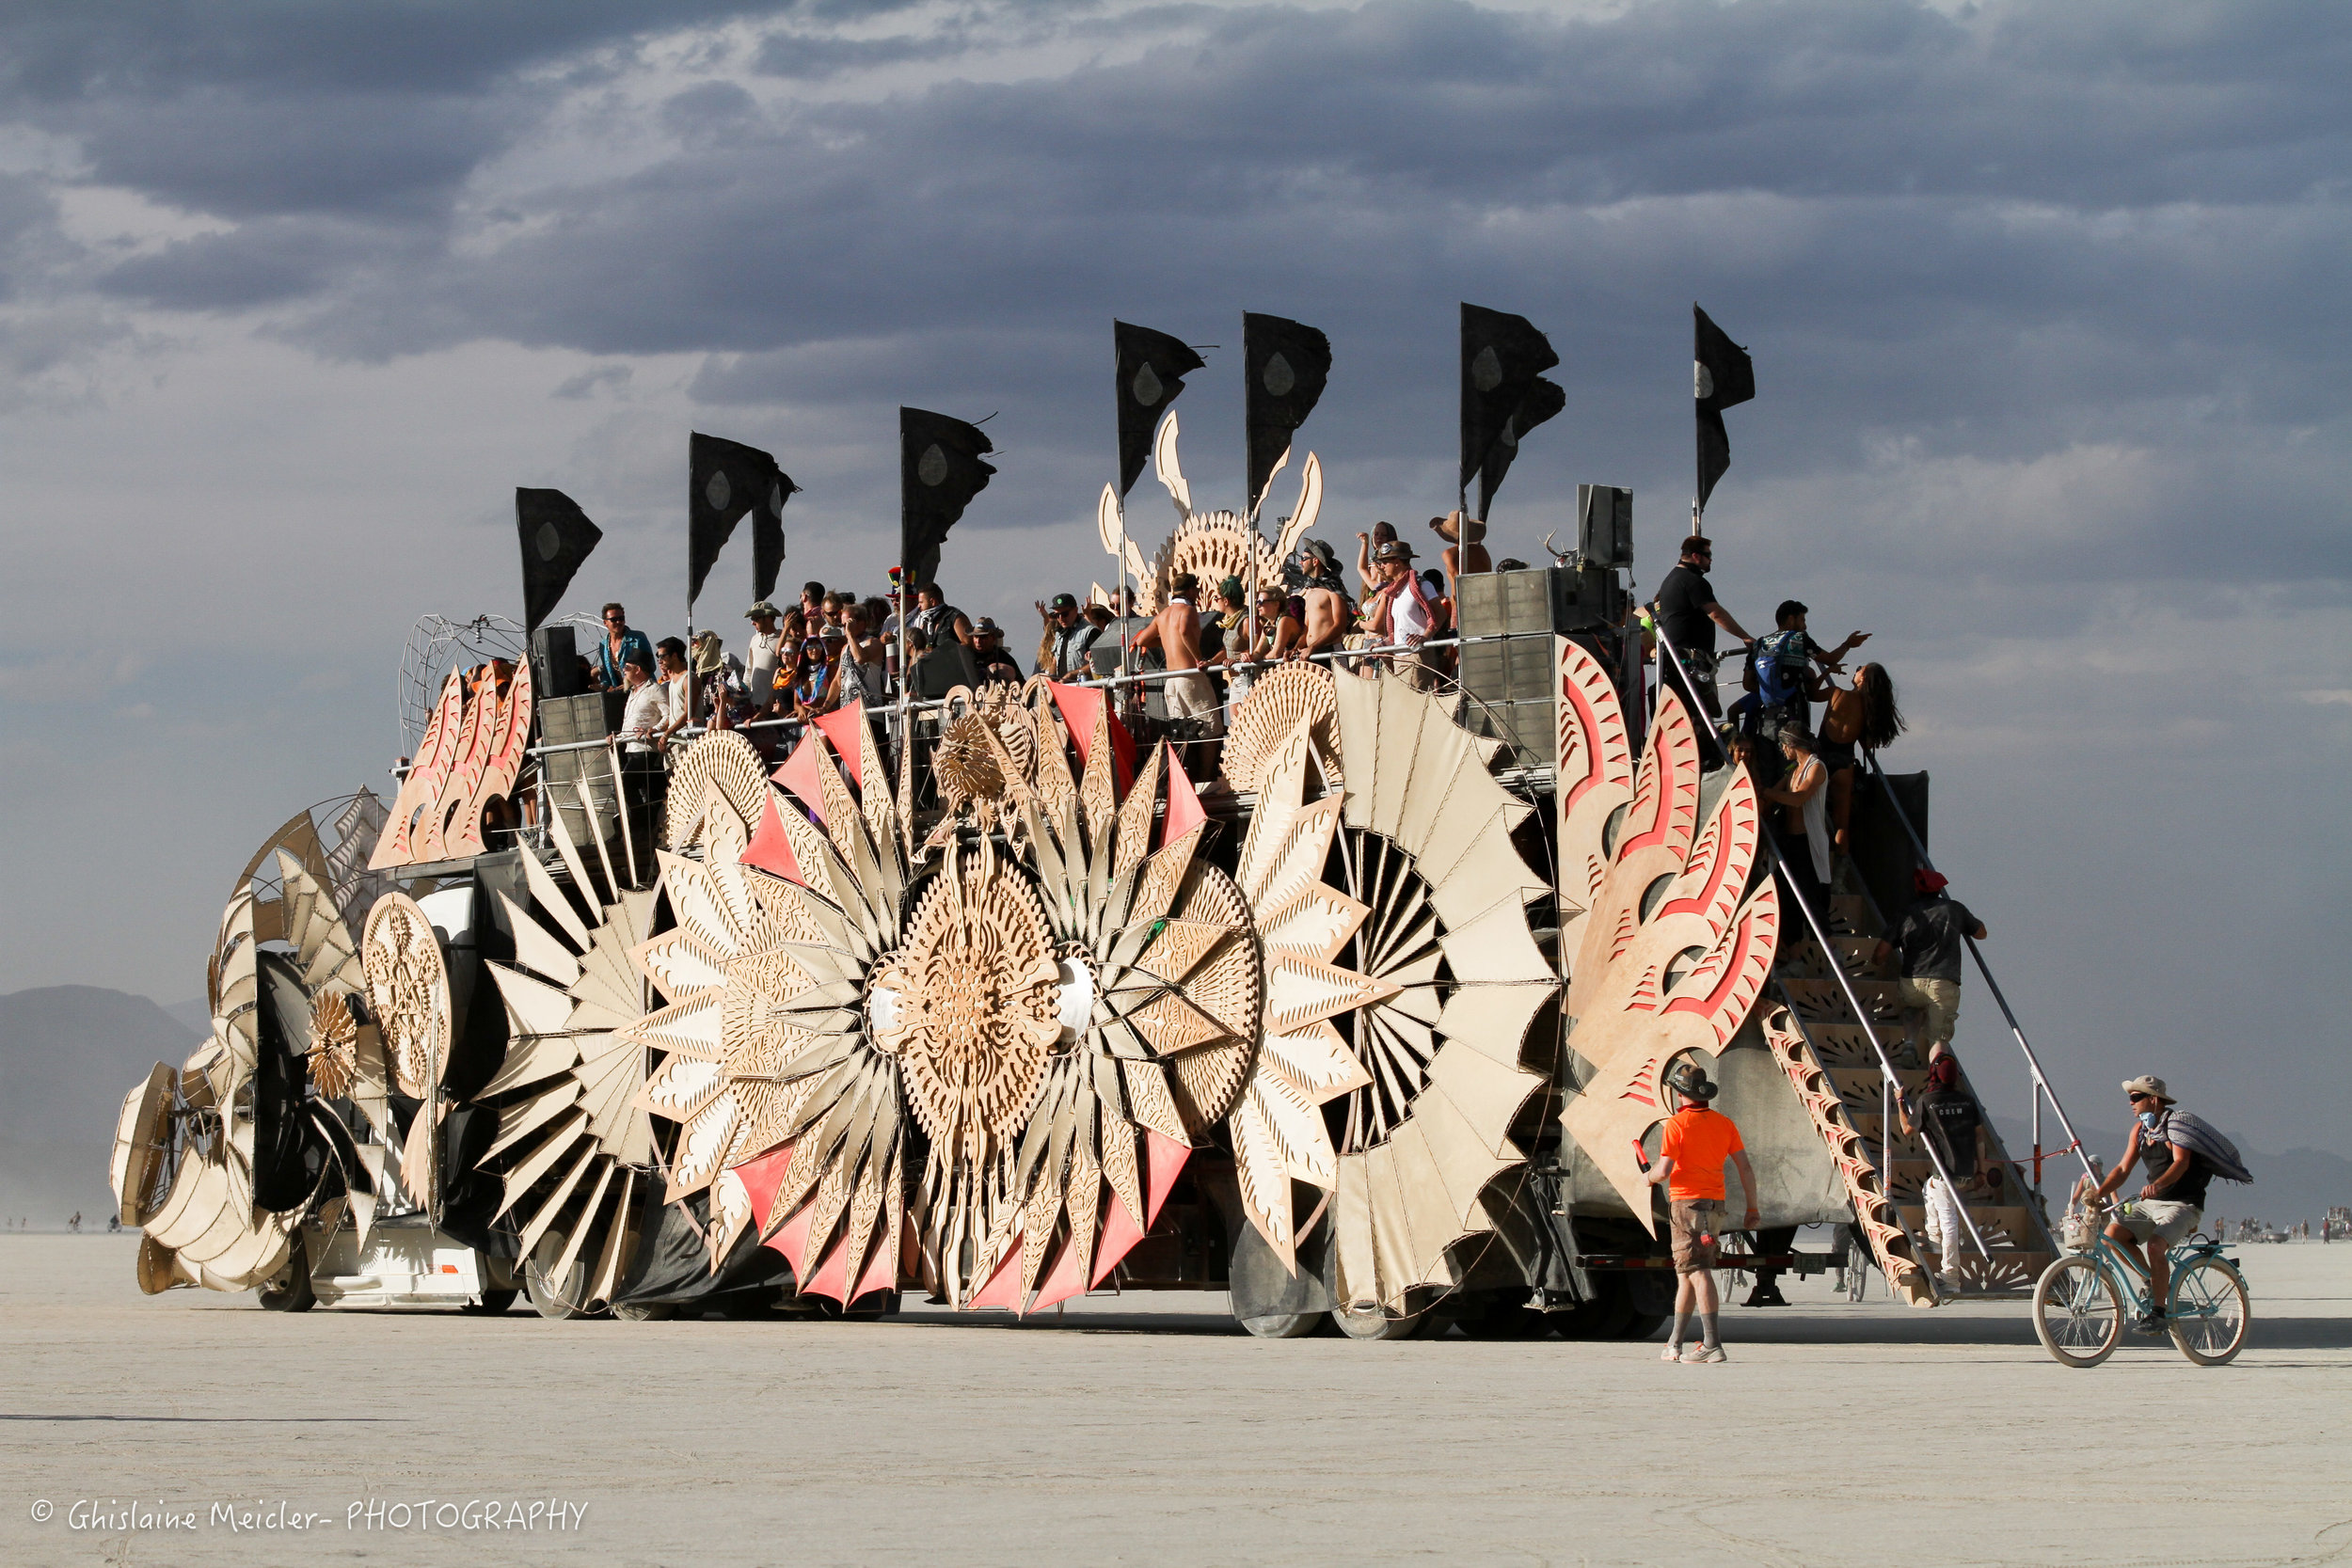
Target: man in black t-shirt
{"type": "Point", "coordinates": [1948, 1118]}
{"type": "Point", "coordinates": [1929, 938]}
{"type": "Point", "coordinates": [1686, 617]}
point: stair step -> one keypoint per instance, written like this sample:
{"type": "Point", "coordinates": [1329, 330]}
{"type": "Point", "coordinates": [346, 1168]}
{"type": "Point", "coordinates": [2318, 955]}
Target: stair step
{"type": "Point", "coordinates": [2005, 1274]}
{"type": "Point", "coordinates": [2008, 1227]}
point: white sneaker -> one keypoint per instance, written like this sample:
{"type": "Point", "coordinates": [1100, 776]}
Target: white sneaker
{"type": "Point", "coordinates": [1672, 1353]}
{"type": "Point", "coordinates": [1700, 1353]}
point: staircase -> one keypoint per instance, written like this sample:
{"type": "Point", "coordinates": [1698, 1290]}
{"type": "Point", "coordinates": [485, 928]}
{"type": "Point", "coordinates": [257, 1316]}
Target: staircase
{"type": "Point", "coordinates": [1829, 1057]}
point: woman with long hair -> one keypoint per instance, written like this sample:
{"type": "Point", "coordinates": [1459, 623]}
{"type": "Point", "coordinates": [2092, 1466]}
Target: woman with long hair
{"type": "Point", "coordinates": [1865, 715]}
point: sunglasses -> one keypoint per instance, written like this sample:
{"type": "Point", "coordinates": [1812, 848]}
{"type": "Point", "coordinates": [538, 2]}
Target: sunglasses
{"type": "Point", "coordinates": [2137, 1098]}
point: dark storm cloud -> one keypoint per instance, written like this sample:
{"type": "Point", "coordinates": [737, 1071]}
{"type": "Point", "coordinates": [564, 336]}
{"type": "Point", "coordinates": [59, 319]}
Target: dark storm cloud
{"type": "Point", "coordinates": [1989, 238]}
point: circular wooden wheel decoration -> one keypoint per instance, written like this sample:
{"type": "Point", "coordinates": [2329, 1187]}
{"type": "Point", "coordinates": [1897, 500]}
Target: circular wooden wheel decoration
{"type": "Point", "coordinates": [1212, 545]}
{"type": "Point", "coordinates": [334, 1053]}
{"type": "Point", "coordinates": [969, 1005]}
{"type": "Point", "coordinates": [1277, 702]}
{"type": "Point", "coordinates": [408, 992]}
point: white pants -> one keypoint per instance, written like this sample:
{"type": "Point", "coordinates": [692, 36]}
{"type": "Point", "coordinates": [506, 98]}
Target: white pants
{"type": "Point", "coordinates": [1946, 1232]}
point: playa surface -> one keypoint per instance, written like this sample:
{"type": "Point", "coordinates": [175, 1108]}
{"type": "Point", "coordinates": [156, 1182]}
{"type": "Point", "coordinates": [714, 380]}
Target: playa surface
{"type": "Point", "coordinates": [1151, 1430]}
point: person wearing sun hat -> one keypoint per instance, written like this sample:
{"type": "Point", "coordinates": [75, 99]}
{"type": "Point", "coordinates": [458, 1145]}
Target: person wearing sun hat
{"type": "Point", "coordinates": [2182, 1155]}
{"type": "Point", "coordinates": [1465, 548]}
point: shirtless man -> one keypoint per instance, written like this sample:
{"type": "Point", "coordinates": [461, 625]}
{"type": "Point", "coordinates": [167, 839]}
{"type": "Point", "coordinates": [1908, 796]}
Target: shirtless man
{"type": "Point", "coordinates": [1326, 607]}
{"type": "Point", "coordinates": [1176, 632]}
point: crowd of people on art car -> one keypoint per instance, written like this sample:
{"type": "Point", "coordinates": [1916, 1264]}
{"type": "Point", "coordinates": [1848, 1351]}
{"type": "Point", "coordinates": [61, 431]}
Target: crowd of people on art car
{"type": "Point", "coordinates": [1197, 654]}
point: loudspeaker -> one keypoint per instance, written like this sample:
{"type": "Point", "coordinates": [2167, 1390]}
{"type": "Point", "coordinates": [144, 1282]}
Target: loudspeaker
{"type": "Point", "coordinates": [554, 663]}
{"type": "Point", "coordinates": [589, 715]}
{"type": "Point", "coordinates": [1539, 601]}
{"type": "Point", "coordinates": [1604, 525]}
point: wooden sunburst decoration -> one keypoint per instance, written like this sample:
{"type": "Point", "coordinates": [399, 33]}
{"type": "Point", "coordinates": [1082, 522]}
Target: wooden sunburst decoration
{"type": "Point", "coordinates": [334, 1060]}
{"type": "Point", "coordinates": [1277, 702]}
{"type": "Point", "coordinates": [407, 989]}
{"type": "Point", "coordinates": [1157, 1000]}
{"type": "Point", "coordinates": [977, 773]}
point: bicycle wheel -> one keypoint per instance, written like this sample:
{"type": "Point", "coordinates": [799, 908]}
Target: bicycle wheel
{"type": "Point", "coordinates": [2076, 1314]}
{"type": "Point", "coordinates": [2209, 1312]}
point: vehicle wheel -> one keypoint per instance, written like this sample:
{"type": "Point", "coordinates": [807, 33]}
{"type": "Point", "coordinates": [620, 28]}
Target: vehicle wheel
{"type": "Point", "coordinates": [1641, 1325]}
{"type": "Point", "coordinates": [2076, 1314]}
{"type": "Point", "coordinates": [1604, 1316]}
{"type": "Point", "coordinates": [290, 1291]}
{"type": "Point", "coordinates": [645, 1311]}
{"type": "Point", "coordinates": [2209, 1312]}
{"type": "Point", "coordinates": [1377, 1325]}
{"type": "Point", "coordinates": [1504, 1315]}
{"type": "Point", "coordinates": [558, 1299]}
{"type": "Point", "coordinates": [1287, 1326]}
{"type": "Point", "coordinates": [492, 1304]}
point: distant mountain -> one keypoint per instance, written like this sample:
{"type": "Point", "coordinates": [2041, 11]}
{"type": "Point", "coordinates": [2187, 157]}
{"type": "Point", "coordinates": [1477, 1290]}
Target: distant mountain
{"type": "Point", "coordinates": [68, 1056]}
{"type": "Point", "coordinates": [2299, 1184]}
{"type": "Point", "coordinates": [194, 1013]}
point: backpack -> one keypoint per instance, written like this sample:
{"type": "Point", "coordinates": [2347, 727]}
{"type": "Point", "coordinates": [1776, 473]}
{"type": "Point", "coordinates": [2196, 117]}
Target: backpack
{"type": "Point", "coordinates": [1781, 661]}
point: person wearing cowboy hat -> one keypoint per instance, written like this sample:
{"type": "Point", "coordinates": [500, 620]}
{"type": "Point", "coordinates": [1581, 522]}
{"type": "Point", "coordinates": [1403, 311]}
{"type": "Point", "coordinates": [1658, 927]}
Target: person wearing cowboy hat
{"type": "Point", "coordinates": [1691, 1150]}
{"type": "Point", "coordinates": [1928, 938]}
{"type": "Point", "coordinates": [1465, 550]}
{"type": "Point", "coordinates": [2172, 1202]}
{"type": "Point", "coordinates": [1396, 608]}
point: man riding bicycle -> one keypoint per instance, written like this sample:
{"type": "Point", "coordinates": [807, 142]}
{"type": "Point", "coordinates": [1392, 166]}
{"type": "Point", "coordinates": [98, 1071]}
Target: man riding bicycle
{"type": "Point", "coordinates": [2182, 1155]}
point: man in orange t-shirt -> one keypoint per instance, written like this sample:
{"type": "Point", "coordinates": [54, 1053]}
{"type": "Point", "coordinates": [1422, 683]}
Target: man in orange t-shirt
{"type": "Point", "coordinates": [1690, 1156]}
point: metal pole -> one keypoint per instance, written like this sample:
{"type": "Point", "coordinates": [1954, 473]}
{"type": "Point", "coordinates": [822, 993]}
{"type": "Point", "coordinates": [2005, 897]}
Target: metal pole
{"type": "Point", "coordinates": [1886, 1062]}
{"type": "Point", "coordinates": [1700, 721]}
{"type": "Point", "coordinates": [2017, 1031]}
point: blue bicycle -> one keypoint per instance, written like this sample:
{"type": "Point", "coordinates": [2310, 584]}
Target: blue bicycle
{"type": "Point", "coordinates": [2084, 1301]}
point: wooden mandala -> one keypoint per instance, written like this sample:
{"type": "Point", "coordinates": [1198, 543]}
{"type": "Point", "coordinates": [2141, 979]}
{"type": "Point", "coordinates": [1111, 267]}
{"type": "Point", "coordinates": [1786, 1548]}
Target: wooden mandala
{"type": "Point", "coordinates": [334, 1057]}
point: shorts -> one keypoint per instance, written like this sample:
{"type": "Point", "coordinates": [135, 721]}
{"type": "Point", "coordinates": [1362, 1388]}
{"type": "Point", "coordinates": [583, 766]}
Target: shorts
{"type": "Point", "coordinates": [1939, 1000]}
{"type": "Point", "coordinates": [2152, 1219]}
{"type": "Point", "coordinates": [1835, 756]}
{"type": "Point", "coordinates": [1191, 695]}
{"type": "Point", "coordinates": [1696, 1224]}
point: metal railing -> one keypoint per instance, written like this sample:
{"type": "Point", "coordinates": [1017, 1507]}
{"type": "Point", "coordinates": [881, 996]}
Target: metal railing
{"type": "Point", "coordinates": [2041, 1088]}
{"type": "Point", "coordinates": [1893, 1084]}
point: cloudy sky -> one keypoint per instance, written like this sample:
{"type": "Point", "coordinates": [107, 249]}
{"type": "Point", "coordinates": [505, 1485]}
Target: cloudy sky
{"type": "Point", "coordinates": [2046, 300]}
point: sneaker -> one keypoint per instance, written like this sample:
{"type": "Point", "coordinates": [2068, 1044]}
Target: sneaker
{"type": "Point", "coordinates": [1672, 1353]}
{"type": "Point", "coordinates": [2151, 1323]}
{"type": "Point", "coordinates": [1698, 1354]}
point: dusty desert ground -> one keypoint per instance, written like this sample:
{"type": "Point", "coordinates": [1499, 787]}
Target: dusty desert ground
{"type": "Point", "coordinates": [1151, 1431]}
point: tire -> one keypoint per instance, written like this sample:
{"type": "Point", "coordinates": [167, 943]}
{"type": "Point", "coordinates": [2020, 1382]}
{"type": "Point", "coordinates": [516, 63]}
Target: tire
{"type": "Point", "coordinates": [645, 1311]}
{"type": "Point", "coordinates": [558, 1299]}
{"type": "Point", "coordinates": [1506, 1315]}
{"type": "Point", "coordinates": [2076, 1314]}
{"type": "Point", "coordinates": [493, 1304]}
{"type": "Point", "coordinates": [1607, 1316]}
{"type": "Point", "coordinates": [1377, 1325]}
{"type": "Point", "coordinates": [1287, 1326]}
{"type": "Point", "coordinates": [2210, 1312]}
{"type": "Point", "coordinates": [290, 1291]}
{"type": "Point", "coordinates": [1641, 1325]}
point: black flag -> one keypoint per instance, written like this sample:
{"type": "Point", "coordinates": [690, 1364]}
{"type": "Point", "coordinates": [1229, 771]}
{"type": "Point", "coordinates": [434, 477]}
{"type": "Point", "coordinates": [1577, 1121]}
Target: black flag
{"type": "Point", "coordinates": [939, 472]}
{"type": "Point", "coordinates": [767, 535]}
{"type": "Point", "coordinates": [1721, 376]}
{"type": "Point", "coordinates": [1151, 371]}
{"type": "Point", "coordinates": [725, 480]}
{"type": "Point", "coordinates": [1543, 400]}
{"type": "Point", "coordinates": [556, 537]}
{"type": "Point", "coordinates": [1285, 366]}
{"type": "Point", "coordinates": [1502, 356]}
